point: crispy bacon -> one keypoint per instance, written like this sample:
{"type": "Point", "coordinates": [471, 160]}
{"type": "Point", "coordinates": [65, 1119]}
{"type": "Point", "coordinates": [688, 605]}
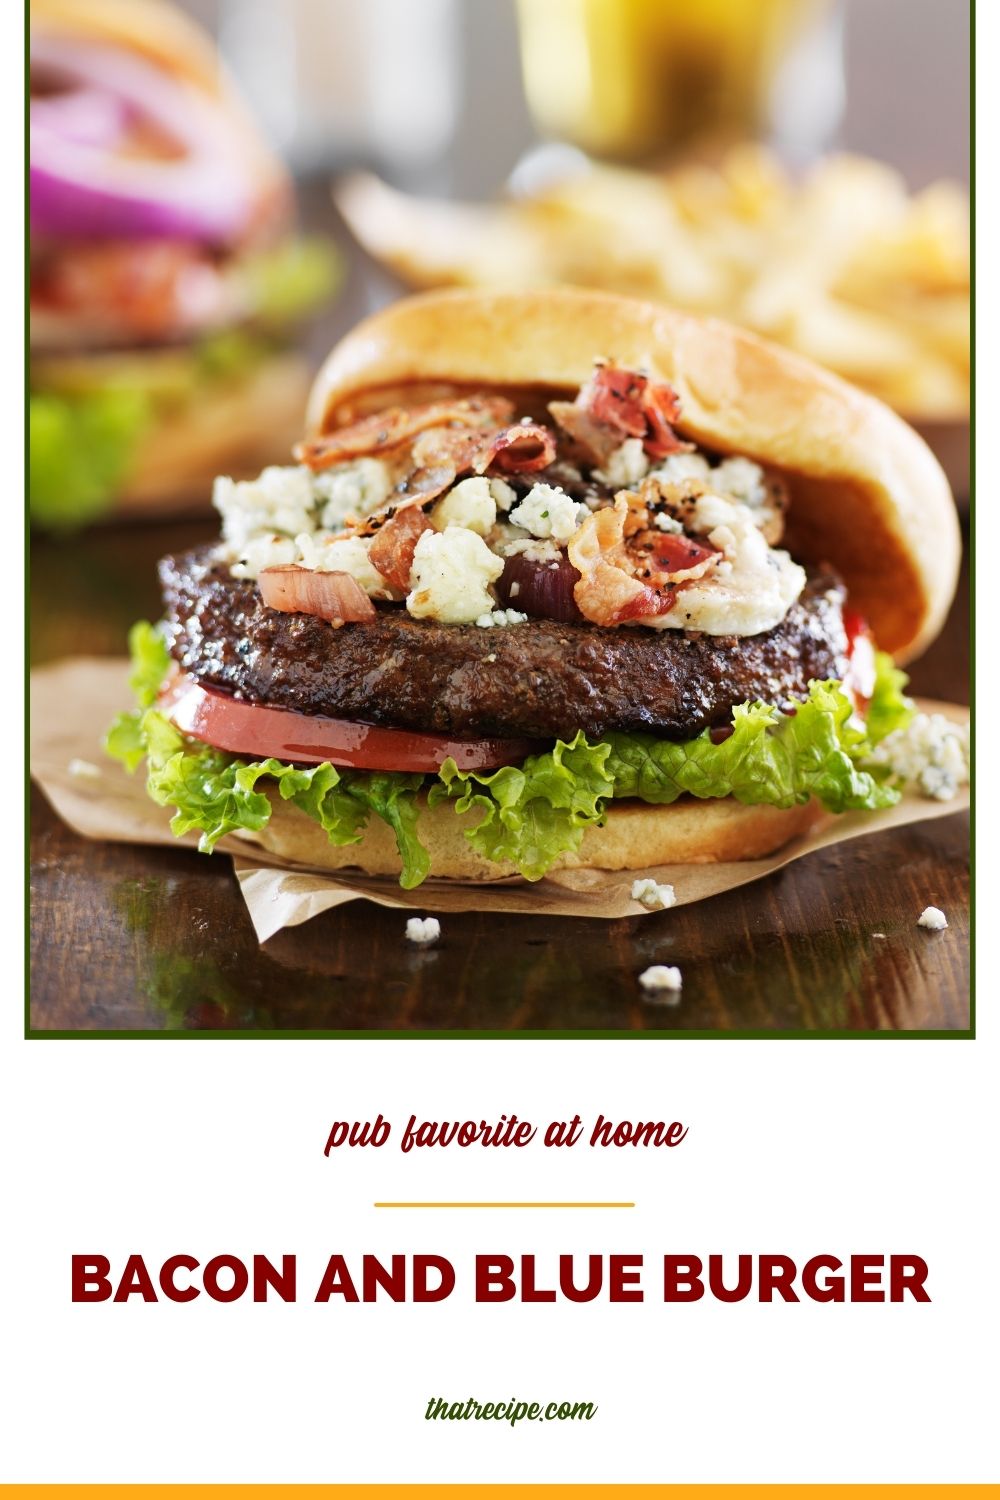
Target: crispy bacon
{"type": "Point", "coordinates": [457, 449]}
{"type": "Point", "coordinates": [662, 407]}
{"type": "Point", "coordinates": [392, 550]}
{"type": "Point", "coordinates": [595, 441]}
{"type": "Point", "coordinates": [672, 556]}
{"type": "Point", "coordinates": [649, 601]}
{"type": "Point", "coordinates": [628, 574]}
{"type": "Point", "coordinates": [607, 591]}
{"type": "Point", "coordinates": [616, 404]}
{"type": "Point", "coordinates": [617, 398]}
{"type": "Point", "coordinates": [522, 449]}
{"type": "Point", "coordinates": [387, 430]}
{"type": "Point", "coordinates": [426, 484]}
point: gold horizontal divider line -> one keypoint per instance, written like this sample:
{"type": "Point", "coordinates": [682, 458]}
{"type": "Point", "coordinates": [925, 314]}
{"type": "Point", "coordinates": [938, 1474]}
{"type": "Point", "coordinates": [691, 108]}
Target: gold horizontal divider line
{"type": "Point", "coordinates": [503, 1205]}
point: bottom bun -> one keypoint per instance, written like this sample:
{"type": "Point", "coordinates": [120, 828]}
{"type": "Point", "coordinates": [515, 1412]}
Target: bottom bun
{"type": "Point", "coordinates": [231, 428]}
{"type": "Point", "coordinates": [635, 836]}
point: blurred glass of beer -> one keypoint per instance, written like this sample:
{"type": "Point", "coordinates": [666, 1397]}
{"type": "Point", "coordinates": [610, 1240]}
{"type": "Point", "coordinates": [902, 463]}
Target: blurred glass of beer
{"type": "Point", "coordinates": [626, 78]}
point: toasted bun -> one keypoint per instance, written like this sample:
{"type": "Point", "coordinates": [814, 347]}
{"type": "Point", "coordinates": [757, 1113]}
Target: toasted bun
{"type": "Point", "coordinates": [232, 429]}
{"type": "Point", "coordinates": [867, 494]}
{"type": "Point", "coordinates": [163, 34]}
{"type": "Point", "coordinates": [634, 837]}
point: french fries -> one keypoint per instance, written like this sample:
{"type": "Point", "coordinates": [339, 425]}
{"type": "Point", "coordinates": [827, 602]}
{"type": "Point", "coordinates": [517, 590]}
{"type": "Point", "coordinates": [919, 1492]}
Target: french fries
{"type": "Point", "coordinates": [844, 266]}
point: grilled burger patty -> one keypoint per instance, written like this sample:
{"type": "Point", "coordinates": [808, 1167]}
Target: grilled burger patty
{"type": "Point", "coordinates": [542, 678]}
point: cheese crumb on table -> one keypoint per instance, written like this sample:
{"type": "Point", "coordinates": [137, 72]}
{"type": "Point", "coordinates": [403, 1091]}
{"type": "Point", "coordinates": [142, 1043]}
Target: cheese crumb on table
{"type": "Point", "coordinates": [423, 929]}
{"type": "Point", "coordinates": [84, 770]}
{"type": "Point", "coordinates": [653, 896]}
{"type": "Point", "coordinates": [933, 918]}
{"type": "Point", "coordinates": [660, 979]}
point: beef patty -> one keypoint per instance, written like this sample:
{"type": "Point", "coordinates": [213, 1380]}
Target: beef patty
{"type": "Point", "coordinates": [542, 678]}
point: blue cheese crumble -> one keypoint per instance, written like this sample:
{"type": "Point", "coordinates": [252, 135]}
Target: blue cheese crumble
{"type": "Point", "coordinates": [653, 896]}
{"type": "Point", "coordinates": [423, 930]}
{"type": "Point", "coordinates": [931, 755]}
{"type": "Point", "coordinates": [661, 980]}
{"type": "Point", "coordinates": [501, 617]}
{"type": "Point", "coordinates": [933, 918]}
{"type": "Point", "coordinates": [549, 513]}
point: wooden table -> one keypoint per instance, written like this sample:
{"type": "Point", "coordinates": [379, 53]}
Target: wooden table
{"type": "Point", "coordinates": [129, 938]}
{"type": "Point", "coordinates": [148, 939]}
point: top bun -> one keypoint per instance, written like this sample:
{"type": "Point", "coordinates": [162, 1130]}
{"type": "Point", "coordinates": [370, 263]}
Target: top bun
{"type": "Point", "coordinates": [165, 36]}
{"type": "Point", "coordinates": [866, 493]}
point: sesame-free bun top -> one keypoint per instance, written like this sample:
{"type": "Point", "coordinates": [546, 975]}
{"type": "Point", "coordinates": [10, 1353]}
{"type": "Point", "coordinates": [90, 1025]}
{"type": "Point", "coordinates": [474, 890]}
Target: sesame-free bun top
{"type": "Point", "coordinates": [866, 493]}
{"type": "Point", "coordinates": [164, 35]}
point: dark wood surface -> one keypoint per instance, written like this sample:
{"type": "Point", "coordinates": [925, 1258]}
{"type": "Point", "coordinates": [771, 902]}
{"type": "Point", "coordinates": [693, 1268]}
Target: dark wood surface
{"type": "Point", "coordinates": [127, 938]}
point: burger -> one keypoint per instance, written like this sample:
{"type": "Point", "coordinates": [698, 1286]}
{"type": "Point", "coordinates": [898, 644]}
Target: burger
{"type": "Point", "coordinates": [165, 276]}
{"type": "Point", "coordinates": [557, 579]}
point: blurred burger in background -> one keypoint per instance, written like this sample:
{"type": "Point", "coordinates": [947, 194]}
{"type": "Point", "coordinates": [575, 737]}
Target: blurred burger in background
{"type": "Point", "coordinates": [166, 275]}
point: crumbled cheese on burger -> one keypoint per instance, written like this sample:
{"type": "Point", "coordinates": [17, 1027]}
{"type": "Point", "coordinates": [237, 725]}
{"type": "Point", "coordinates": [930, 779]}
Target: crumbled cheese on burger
{"type": "Point", "coordinates": [278, 500]}
{"type": "Point", "coordinates": [737, 478]}
{"type": "Point", "coordinates": [661, 979]}
{"type": "Point", "coordinates": [548, 512]}
{"type": "Point", "coordinates": [626, 467]}
{"type": "Point", "coordinates": [502, 617]}
{"type": "Point", "coordinates": [357, 489]}
{"type": "Point", "coordinates": [266, 551]}
{"type": "Point", "coordinates": [504, 495]}
{"type": "Point", "coordinates": [531, 548]}
{"type": "Point", "coordinates": [423, 929]}
{"type": "Point", "coordinates": [752, 595]}
{"type": "Point", "coordinates": [653, 896]}
{"type": "Point", "coordinates": [469, 503]}
{"type": "Point", "coordinates": [741, 478]}
{"type": "Point", "coordinates": [326, 553]}
{"type": "Point", "coordinates": [930, 754]}
{"type": "Point", "coordinates": [933, 918]}
{"type": "Point", "coordinates": [679, 466]}
{"type": "Point", "coordinates": [451, 574]}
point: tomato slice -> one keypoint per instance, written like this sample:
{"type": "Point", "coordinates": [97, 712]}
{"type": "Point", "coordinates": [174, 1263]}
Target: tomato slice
{"type": "Point", "coordinates": [251, 730]}
{"type": "Point", "coordinates": [859, 679]}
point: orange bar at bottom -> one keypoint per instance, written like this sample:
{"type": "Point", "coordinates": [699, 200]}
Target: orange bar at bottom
{"type": "Point", "coordinates": [497, 1491]}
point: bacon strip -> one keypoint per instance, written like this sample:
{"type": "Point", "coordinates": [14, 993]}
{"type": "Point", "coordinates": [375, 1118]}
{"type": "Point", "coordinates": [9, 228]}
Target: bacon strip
{"type": "Point", "coordinates": [631, 575]}
{"type": "Point", "coordinates": [617, 398]}
{"type": "Point", "coordinates": [451, 448]}
{"type": "Point", "coordinates": [391, 553]}
{"type": "Point", "coordinates": [596, 441]}
{"type": "Point", "coordinates": [523, 449]}
{"type": "Point", "coordinates": [616, 404]}
{"type": "Point", "coordinates": [662, 407]}
{"type": "Point", "coordinates": [386, 430]}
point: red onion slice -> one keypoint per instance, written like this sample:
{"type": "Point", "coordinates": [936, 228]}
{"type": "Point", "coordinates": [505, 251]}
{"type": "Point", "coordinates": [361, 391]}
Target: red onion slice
{"type": "Point", "coordinates": [336, 597]}
{"type": "Point", "coordinates": [543, 590]}
{"type": "Point", "coordinates": [80, 188]}
{"type": "Point", "coordinates": [89, 116]}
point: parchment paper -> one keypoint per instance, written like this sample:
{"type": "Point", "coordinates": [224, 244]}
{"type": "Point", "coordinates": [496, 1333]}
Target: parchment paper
{"type": "Point", "coordinates": [73, 703]}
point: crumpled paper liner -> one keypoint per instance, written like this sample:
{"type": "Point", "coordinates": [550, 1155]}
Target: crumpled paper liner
{"type": "Point", "coordinates": [73, 703]}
